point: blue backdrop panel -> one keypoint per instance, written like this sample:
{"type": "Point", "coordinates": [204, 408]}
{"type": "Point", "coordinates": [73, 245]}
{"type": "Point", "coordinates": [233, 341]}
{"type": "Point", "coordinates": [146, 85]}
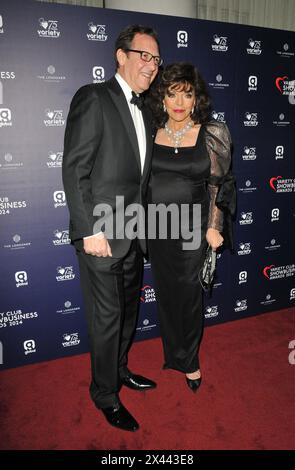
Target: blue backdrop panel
{"type": "Point", "coordinates": [47, 52]}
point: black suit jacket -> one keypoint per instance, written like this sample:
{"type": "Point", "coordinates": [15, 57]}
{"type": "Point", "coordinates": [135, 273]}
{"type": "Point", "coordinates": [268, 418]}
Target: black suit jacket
{"type": "Point", "coordinates": [101, 158]}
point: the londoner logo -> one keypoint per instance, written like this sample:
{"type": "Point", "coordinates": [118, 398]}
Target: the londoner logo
{"type": "Point", "coordinates": [282, 185]}
{"type": "Point", "coordinates": [285, 86]}
{"type": "Point", "coordinates": [273, 272]}
{"type": "Point", "coordinates": [219, 43]}
{"type": "Point", "coordinates": [96, 32]}
{"type": "Point", "coordinates": [147, 294]}
{"type": "Point", "coordinates": [48, 29]}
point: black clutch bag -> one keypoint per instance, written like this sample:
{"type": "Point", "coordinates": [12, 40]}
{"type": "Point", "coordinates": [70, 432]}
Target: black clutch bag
{"type": "Point", "coordinates": [207, 272]}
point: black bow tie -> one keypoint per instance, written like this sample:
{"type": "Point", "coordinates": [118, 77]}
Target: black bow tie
{"type": "Point", "coordinates": [137, 100]}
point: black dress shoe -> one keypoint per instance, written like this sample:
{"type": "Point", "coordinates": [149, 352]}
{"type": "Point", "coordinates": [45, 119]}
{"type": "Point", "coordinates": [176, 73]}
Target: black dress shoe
{"type": "Point", "coordinates": [194, 383]}
{"type": "Point", "coordinates": [120, 417]}
{"type": "Point", "coordinates": [137, 382]}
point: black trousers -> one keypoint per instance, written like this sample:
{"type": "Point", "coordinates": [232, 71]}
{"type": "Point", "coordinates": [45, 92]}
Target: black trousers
{"type": "Point", "coordinates": [111, 291]}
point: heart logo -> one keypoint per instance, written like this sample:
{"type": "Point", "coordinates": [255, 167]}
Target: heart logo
{"type": "Point", "coordinates": [50, 114]}
{"type": "Point", "coordinates": [248, 116]}
{"type": "Point", "coordinates": [272, 182]}
{"type": "Point", "coordinates": [247, 150]}
{"type": "Point", "coordinates": [242, 246]}
{"type": "Point", "coordinates": [214, 115]}
{"type": "Point", "coordinates": [52, 156]}
{"type": "Point", "coordinates": [58, 234]}
{"type": "Point", "coordinates": [251, 42]}
{"type": "Point", "coordinates": [44, 24]}
{"type": "Point", "coordinates": [67, 337]}
{"type": "Point", "coordinates": [61, 271]}
{"type": "Point", "coordinates": [92, 28]}
{"type": "Point", "coordinates": [278, 82]}
{"type": "Point", "coordinates": [217, 39]}
{"type": "Point", "coordinates": [266, 269]}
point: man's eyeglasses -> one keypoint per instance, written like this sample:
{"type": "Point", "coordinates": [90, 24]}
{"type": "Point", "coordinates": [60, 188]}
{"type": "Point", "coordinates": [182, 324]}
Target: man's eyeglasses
{"type": "Point", "coordinates": [147, 56]}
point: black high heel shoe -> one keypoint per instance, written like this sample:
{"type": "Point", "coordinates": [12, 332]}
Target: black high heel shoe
{"type": "Point", "coordinates": [194, 384]}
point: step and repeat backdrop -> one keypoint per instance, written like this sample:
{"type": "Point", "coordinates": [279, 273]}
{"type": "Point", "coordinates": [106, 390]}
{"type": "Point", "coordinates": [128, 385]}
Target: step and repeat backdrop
{"type": "Point", "coordinates": [48, 51]}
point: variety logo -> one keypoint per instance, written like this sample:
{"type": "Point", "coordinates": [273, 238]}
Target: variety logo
{"type": "Point", "coordinates": [70, 339]}
{"type": "Point", "coordinates": [65, 273]}
{"type": "Point", "coordinates": [244, 249]}
{"type": "Point", "coordinates": [6, 205]}
{"type": "Point", "coordinates": [249, 153]}
{"type": "Point", "coordinates": [252, 83]}
{"type": "Point", "coordinates": [285, 86]}
{"type": "Point", "coordinates": [54, 159]}
{"type": "Point", "coordinates": [29, 346]}
{"type": "Point", "coordinates": [21, 279]}
{"type": "Point", "coordinates": [5, 117]}
{"type": "Point", "coordinates": [97, 32]}
{"type": "Point", "coordinates": [275, 215]}
{"type": "Point", "coordinates": [219, 43]}
{"type": "Point", "coordinates": [182, 39]}
{"type": "Point", "coordinates": [211, 311]}
{"type": "Point", "coordinates": [292, 294]}
{"type": "Point", "coordinates": [147, 294]}
{"type": "Point", "coordinates": [241, 305]}
{"type": "Point", "coordinates": [48, 29]}
{"type": "Point", "coordinates": [61, 238]}
{"type": "Point", "coordinates": [59, 199]}
{"type": "Point", "coordinates": [219, 116]}
{"type": "Point", "coordinates": [273, 272]}
{"type": "Point", "coordinates": [246, 218]}
{"type": "Point", "coordinates": [15, 318]}
{"type": "Point", "coordinates": [282, 185]}
{"type": "Point", "coordinates": [254, 47]}
{"type": "Point", "coordinates": [98, 74]}
{"type": "Point", "coordinates": [54, 118]}
{"type": "Point", "coordinates": [251, 119]}
{"type": "Point", "coordinates": [243, 277]}
{"type": "Point", "coordinates": [279, 152]}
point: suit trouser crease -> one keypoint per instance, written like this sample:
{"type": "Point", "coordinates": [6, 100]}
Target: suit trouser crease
{"type": "Point", "coordinates": [111, 289]}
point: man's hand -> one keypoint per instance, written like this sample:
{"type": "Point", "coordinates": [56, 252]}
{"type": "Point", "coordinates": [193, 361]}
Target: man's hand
{"type": "Point", "coordinates": [97, 246]}
{"type": "Point", "coordinates": [214, 238]}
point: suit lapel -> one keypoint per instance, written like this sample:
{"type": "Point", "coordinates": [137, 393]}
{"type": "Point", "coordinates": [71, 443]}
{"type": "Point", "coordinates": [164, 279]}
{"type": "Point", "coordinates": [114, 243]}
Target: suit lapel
{"type": "Point", "coordinates": [120, 102]}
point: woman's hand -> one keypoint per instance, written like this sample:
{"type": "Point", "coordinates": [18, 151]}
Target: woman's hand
{"type": "Point", "coordinates": [214, 238]}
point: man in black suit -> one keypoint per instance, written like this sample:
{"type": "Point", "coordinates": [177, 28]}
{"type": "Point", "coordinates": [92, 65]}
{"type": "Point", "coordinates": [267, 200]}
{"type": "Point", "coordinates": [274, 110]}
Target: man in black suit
{"type": "Point", "coordinates": [107, 153]}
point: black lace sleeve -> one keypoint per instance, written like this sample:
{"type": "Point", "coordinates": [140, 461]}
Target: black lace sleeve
{"type": "Point", "coordinates": [221, 183]}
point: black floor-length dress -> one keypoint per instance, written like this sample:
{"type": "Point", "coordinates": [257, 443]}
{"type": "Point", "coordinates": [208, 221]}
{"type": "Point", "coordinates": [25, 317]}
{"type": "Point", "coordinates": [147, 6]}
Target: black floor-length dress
{"type": "Point", "coordinates": [191, 176]}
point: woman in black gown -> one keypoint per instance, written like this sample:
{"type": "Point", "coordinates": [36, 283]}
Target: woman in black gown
{"type": "Point", "coordinates": [192, 157]}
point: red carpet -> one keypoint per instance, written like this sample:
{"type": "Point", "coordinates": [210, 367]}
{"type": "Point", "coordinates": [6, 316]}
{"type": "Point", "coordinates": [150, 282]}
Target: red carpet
{"type": "Point", "coordinates": [246, 400]}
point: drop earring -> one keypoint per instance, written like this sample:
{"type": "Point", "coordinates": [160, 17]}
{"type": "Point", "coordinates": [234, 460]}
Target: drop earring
{"type": "Point", "coordinates": [164, 108]}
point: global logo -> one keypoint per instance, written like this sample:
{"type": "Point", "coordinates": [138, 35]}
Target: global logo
{"type": "Point", "coordinates": [98, 74]}
{"type": "Point", "coordinates": [182, 39]}
{"type": "Point", "coordinates": [29, 346]}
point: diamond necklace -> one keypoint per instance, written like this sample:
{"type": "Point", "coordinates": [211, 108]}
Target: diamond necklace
{"type": "Point", "coordinates": [176, 137]}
